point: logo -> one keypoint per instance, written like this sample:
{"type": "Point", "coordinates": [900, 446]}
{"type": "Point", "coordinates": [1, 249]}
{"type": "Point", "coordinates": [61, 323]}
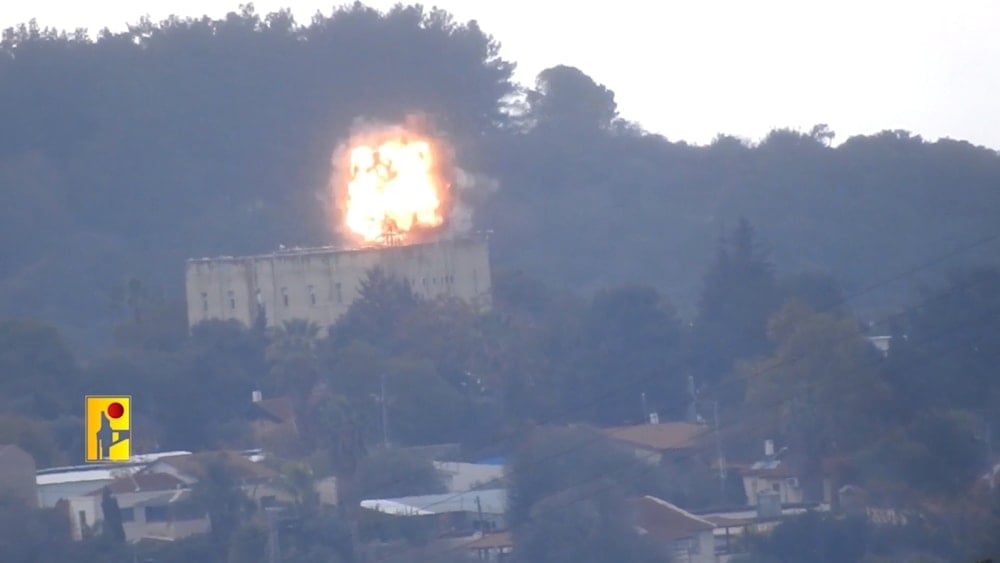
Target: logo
{"type": "Point", "coordinates": [109, 428]}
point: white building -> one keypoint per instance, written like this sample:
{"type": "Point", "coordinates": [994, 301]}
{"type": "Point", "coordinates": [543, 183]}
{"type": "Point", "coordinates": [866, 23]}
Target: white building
{"type": "Point", "coordinates": [319, 284]}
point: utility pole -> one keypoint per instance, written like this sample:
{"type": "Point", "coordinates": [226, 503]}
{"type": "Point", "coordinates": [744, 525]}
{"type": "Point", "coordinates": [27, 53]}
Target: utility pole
{"type": "Point", "coordinates": [274, 550]}
{"type": "Point", "coordinates": [479, 511]}
{"type": "Point", "coordinates": [721, 456]}
{"type": "Point", "coordinates": [385, 416]}
{"type": "Point", "coordinates": [645, 410]}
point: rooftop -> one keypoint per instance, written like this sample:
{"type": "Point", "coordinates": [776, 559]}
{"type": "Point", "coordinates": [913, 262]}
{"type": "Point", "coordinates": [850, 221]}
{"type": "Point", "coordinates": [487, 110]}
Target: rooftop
{"type": "Point", "coordinates": [665, 521]}
{"type": "Point", "coordinates": [237, 462]}
{"type": "Point", "coordinates": [92, 474]}
{"type": "Point", "coordinates": [142, 482]}
{"type": "Point", "coordinates": [492, 541]}
{"type": "Point", "coordinates": [661, 436]}
{"type": "Point", "coordinates": [492, 501]}
{"type": "Point", "coordinates": [319, 251]}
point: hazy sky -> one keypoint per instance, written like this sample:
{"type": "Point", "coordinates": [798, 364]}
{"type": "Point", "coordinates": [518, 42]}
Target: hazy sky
{"type": "Point", "coordinates": [690, 70]}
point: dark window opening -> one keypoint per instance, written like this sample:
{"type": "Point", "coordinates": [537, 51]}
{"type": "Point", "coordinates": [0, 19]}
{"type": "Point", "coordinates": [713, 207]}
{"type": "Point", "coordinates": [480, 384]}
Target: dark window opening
{"type": "Point", "coordinates": [128, 514]}
{"type": "Point", "coordinates": [156, 514]}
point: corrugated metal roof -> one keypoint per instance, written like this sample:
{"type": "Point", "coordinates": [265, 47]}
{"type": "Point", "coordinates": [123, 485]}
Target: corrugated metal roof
{"type": "Point", "coordinates": [96, 474]}
{"type": "Point", "coordinates": [492, 501]}
{"type": "Point", "coordinates": [140, 459]}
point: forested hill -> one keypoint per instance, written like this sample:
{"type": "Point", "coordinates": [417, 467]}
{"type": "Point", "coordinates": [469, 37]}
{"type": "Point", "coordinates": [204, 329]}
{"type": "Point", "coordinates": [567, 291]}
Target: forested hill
{"type": "Point", "coordinates": [123, 155]}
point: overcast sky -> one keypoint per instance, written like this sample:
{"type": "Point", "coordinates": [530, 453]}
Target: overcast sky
{"type": "Point", "coordinates": [692, 69]}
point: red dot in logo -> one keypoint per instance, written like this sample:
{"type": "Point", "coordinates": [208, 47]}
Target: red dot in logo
{"type": "Point", "coordinates": [116, 410]}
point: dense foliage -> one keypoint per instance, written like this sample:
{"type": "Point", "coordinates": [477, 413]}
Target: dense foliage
{"type": "Point", "coordinates": [127, 153]}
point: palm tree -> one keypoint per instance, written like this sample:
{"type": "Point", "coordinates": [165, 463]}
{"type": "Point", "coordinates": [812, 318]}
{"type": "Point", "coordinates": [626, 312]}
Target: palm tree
{"type": "Point", "coordinates": [298, 479]}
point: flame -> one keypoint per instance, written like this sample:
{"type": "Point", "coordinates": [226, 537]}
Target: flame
{"type": "Point", "coordinates": [393, 188]}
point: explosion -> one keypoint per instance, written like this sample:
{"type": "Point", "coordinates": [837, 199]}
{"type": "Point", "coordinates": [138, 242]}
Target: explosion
{"type": "Point", "coordinates": [395, 185]}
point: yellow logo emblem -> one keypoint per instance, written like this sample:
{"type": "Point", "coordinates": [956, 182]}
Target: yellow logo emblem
{"type": "Point", "coordinates": [109, 428]}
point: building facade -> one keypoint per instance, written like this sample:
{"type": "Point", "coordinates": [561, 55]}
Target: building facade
{"type": "Point", "coordinates": [319, 284]}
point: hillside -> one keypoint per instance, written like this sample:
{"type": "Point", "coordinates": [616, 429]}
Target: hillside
{"type": "Point", "coordinates": [124, 155]}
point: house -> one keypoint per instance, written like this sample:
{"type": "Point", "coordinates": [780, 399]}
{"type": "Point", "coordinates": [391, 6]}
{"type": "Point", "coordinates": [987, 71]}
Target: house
{"type": "Point", "coordinates": [450, 513]}
{"type": "Point", "coordinates": [688, 538]}
{"type": "Point", "coordinates": [273, 421]}
{"type": "Point", "coordinates": [496, 546]}
{"type": "Point", "coordinates": [152, 505]}
{"type": "Point", "coordinates": [57, 483]}
{"type": "Point", "coordinates": [461, 477]}
{"type": "Point", "coordinates": [657, 441]}
{"type": "Point", "coordinates": [259, 482]}
{"type": "Point", "coordinates": [775, 478]}
{"type": "Point", "coordinates": [17, 474]}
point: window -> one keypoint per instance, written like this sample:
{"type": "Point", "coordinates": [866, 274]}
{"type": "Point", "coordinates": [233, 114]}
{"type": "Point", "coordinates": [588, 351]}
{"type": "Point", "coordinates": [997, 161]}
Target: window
{"type": "Point", "coordinates": [128, 514]}
{"type": "Point", "coordinates": [232, 300]}
{"type": "Point", "coordinates": [204, 302]}
{"type": "Point", "coordinates": [312, 296]}
{"type": "Point", "coordinates": [156, 514]}
{"type": "Point", "coordinates": [284, 295]}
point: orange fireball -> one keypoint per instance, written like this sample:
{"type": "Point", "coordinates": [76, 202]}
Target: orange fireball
{"type": "Point", "coordinates": [393, 189]}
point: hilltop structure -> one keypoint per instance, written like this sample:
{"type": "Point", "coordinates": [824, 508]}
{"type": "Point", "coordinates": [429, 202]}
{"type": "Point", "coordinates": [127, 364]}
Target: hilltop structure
{"type": "Point", "coordinates": [319, 284]}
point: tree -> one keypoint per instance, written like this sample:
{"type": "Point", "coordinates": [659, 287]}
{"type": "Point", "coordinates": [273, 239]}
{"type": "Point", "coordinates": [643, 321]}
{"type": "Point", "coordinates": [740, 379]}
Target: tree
{"type": "Point", "coordinates": [738, 297]}
{"type": "Point", "coordinates": [294, 362]}
{"type": "Point", "coordinates": [551, 460]}
{"type": "Point", "coordinates": [34, 437]}
{"type": "Point", "coordinates": [820, 392]}
{"type": "Point", "coordinates": [299, 480]}
{"type": "Point", "coordinates": [589, 523]}
{"type": "Point", "coordinates": [39, 372]}
{"type": "Point", "coordinates": [396, 473]}
{"type": "Point", "coordinates": [31, 534]}
{"type": "Point", "coordinates": [382, 301]}
{"type": "Point", "coordinates": [218, 493]}
{"type": "Point", "coordinates": [817, 537]}
{"type": "Point", "coordinates": [112, 528]}
{"type": "Point", "coordinates": [629, 345]}
{"type": "Point", "coordinates": [570, 102]}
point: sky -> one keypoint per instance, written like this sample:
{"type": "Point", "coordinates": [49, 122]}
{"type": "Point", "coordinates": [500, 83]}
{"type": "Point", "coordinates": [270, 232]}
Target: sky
{"type": "Point", "coordinates": [690, 70]}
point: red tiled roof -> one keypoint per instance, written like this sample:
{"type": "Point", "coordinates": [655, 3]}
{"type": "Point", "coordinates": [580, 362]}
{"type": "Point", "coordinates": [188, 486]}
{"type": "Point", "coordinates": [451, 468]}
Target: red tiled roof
{"type": "Point", "coordinates": [666, 522]}
{"type": "Point", "coordinates": [142, 482]}
{"type": "Point", "coordinates": [279, 409]}
{"type": "Point", "coordinates": [492, 541]}
{"type": "Point", "coordinates": [660, 437]}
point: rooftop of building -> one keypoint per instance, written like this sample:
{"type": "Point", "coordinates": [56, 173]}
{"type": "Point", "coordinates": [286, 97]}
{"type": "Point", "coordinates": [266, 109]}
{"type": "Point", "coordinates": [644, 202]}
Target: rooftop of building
{"type": "Point", "coordinates": [491, 501]}
{"type": "Point", "coordinates": [293, 251]}
{"type": "Point", "coordinates": [665, 521]}
{"type": "Point", "coordinates": [661, 436]}
{"type": "Point", "coordinates": [142, 483]}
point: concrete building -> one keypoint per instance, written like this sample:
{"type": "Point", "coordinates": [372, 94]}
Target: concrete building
{"type": "Point", "coordinates": [319, 284]}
